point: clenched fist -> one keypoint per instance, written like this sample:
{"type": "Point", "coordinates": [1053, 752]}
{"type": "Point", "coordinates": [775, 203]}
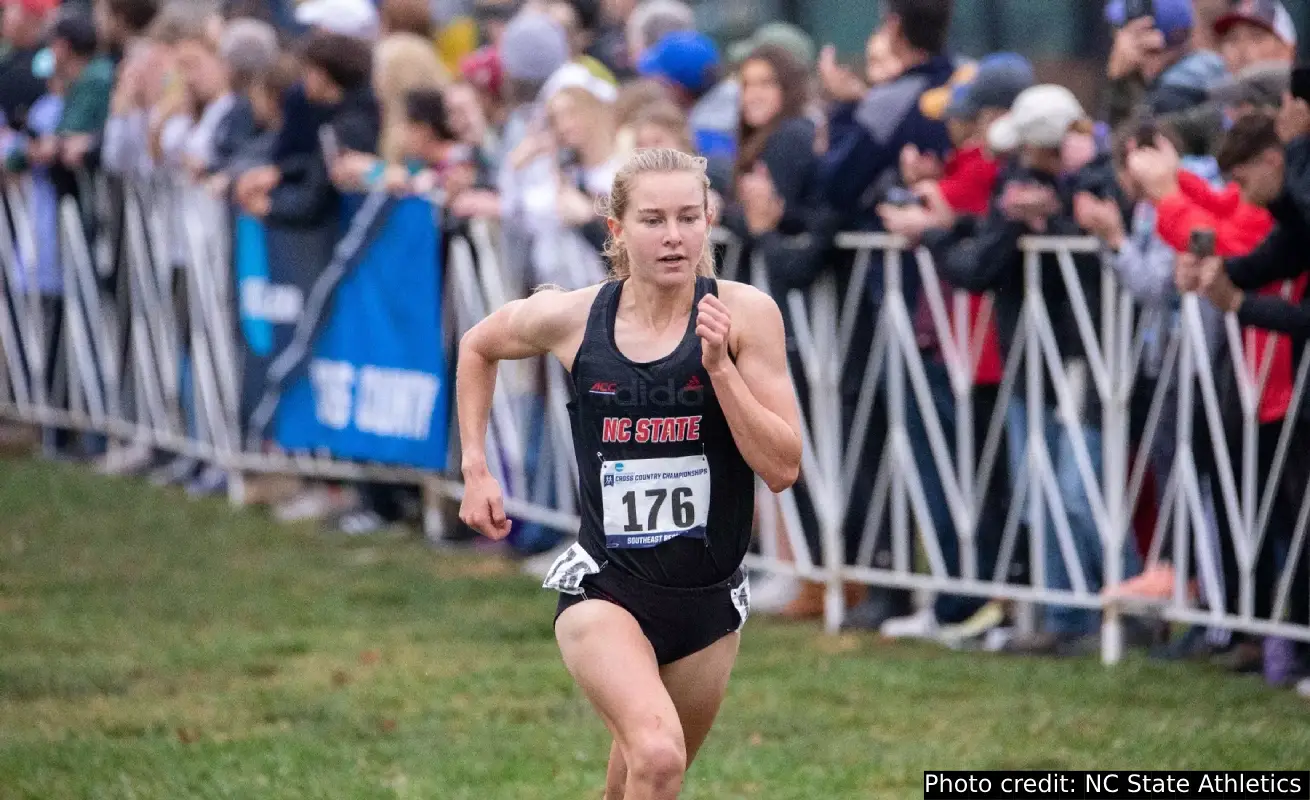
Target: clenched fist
{"type": "Point", "coordinates": [483, 507]}
{"type": "Point", "coordinates": [713, 323]}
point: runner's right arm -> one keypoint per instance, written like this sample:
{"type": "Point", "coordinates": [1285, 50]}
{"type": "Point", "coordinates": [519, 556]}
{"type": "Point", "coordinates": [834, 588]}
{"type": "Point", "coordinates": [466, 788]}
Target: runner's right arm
{"type": "Point", "coordinates": [542, 323]}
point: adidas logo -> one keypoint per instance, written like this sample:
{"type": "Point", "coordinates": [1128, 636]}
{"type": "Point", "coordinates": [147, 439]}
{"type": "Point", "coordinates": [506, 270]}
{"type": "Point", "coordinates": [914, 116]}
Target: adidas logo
{"type": "Point", "coordinates": [694, 383]}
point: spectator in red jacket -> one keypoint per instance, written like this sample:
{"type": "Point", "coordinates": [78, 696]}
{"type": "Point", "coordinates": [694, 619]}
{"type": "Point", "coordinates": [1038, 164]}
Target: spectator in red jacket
{"type": "Point", "coordinates": [1241, 218]}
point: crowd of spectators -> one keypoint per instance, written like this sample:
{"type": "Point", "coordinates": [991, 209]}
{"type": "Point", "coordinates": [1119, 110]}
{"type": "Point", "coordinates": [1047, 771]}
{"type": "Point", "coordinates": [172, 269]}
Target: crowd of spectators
{"type": "Point", "coordinates": [521, 113]}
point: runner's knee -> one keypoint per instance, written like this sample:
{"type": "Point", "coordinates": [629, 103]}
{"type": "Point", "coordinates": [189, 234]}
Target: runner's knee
{"type": "Point", "coordinates": [657, 758]}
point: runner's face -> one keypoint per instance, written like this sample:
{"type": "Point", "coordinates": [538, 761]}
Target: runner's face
{"type": "Point", "coordinates": [665, 228]}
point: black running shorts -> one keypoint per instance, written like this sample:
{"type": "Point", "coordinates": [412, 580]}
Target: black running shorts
{"type": "Point", "coordinates": [677, 622]}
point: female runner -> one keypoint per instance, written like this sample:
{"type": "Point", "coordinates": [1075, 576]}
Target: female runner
{"type": "Point", "coordinates": [680, 397]}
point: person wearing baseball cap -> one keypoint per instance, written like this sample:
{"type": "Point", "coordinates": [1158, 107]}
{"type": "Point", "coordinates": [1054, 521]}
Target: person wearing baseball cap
{"type": "Point", "coordinates": [688, 63]}
{"type": "Point", "coordinates": [1155, 56]}
{"type": "Point", "coordinates": [357, 19]}
{"type": "Point", "coordinates": [970, 171]}
{"type": "Point", "coordinates": [1255, 31]}
{"type": "Point", "coordinates": [1040, 118]}
{"type": "Point", "coordinates": [999, 80]}
{"type": "Point", "coordinates": [1036, 195]}
{"type": "Point", "coordinates": [783, 34]}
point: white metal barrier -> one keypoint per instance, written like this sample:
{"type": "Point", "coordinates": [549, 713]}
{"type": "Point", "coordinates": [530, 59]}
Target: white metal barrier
{"type": "Point", "coordinates": [1113, 340]}
{"type": "Point", "coordinates": [118, 348]}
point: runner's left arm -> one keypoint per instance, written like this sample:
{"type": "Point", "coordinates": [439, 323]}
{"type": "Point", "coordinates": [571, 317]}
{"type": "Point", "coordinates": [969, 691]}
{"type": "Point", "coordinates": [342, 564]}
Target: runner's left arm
{"type": "Point", "coordinates": [756, 392]}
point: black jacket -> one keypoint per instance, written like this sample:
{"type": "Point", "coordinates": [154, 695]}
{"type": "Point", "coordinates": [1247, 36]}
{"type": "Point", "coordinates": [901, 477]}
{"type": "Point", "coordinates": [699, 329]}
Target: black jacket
{"type": "Point", "coordinates": [306, 195]}
{"type": "Point", "coordinates": [985, 257]}
{"type": "Point", "coordinates": [789, 157]}
{"type": "Point", "coordinates": [1281, 256]}
{"type": "Point", "coordinates": [235, 132]}
{"type": "Point", "coordinates": [20, 87]}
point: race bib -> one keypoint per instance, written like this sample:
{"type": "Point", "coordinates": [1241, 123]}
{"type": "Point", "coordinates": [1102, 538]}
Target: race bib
{"type": "Point", "coordinates": [649, 501]}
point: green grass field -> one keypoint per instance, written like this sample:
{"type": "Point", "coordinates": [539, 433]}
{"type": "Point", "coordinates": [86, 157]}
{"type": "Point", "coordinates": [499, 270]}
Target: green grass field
{"type": "Point", "coordinates": [156, 647]}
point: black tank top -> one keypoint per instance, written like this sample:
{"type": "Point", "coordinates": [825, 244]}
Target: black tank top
{"type": "Point", "coordinates": [666, 494]}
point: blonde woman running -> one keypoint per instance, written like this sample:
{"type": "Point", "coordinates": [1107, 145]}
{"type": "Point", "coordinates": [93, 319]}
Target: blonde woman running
{"type": "Point", "coordinates": [680, 397]}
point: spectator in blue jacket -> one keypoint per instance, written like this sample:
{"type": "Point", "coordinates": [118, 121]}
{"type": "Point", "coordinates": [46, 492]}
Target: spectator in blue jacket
{"type": "Point", "coordinates": [867, 134]}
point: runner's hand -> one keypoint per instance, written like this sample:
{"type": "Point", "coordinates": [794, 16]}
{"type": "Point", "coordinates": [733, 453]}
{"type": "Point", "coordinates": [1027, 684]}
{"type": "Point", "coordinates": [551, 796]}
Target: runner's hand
{"type": "Point", "coordinates": [483, 508]}
{"type": "Point", "coordinates": [713, 322]}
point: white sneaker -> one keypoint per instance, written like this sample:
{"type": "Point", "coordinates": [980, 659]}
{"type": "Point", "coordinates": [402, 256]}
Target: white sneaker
{"type": "Point", "coordinates": [995, 640]}
{"type": "Point", "coordinates": [211, 481]}
{"type": "Point", "coordinates": [1303, 688]}
{"type": "Point", "coordinates": [179, 470]}
{"type": "Point", "coordinates": [316, 503]}
{"type": "Point", "coordinates": [362, 522]}
{"type": "Point", "coordinates": [124, 460]}
{"type": "Point", "coordinates": [922, 625]}
{"type": "Point", "coordinates": [772, 592]}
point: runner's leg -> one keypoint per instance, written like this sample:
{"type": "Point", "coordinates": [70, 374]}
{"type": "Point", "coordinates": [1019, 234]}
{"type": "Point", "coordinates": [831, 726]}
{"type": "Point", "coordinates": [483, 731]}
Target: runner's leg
{"type": "Point", "coordinates": [696, 685]}
{"type": "Point", "coordinates": [611, 660]}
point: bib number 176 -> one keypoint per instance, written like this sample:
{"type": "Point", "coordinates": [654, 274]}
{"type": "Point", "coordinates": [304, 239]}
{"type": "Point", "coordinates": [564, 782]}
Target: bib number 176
{"type": "Point", "coordinates": [652, 500]}
{"type": "Point", "coordinates": [683, 511]}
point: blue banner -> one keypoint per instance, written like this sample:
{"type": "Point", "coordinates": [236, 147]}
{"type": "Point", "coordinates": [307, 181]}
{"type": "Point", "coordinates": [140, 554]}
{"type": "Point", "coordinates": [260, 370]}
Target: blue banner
{"type": "Point", "coordinates": [275, 269]}
{"type": "Point", "coordinates": [374, 385]}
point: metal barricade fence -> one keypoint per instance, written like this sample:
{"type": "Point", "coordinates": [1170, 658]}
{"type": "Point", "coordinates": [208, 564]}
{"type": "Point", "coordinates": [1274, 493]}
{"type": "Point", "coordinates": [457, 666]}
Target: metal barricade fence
{"type": "Point", "coordinates": [115, 366]}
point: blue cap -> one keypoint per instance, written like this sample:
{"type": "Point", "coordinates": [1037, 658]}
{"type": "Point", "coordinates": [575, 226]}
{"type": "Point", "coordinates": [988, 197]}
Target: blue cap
{"type": "Point", "coordinates": [1173, 18]}
{"type": "Point", "coordinates": [997, 81]}
{"type": "Point", "coordinates": [686, 58]}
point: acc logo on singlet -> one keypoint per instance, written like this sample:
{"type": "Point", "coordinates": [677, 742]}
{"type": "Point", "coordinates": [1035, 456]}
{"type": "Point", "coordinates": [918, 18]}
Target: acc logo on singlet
{"type": "Point", "coordinates": [640, 392]}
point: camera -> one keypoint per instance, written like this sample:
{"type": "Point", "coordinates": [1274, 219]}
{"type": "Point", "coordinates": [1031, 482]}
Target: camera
{"type": "Point", "coordinates": [567, 158]}
{"type": "Point", "coordinates": [1146, 133]}
{"type": "Point", "coordinates": [1201, 243]}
